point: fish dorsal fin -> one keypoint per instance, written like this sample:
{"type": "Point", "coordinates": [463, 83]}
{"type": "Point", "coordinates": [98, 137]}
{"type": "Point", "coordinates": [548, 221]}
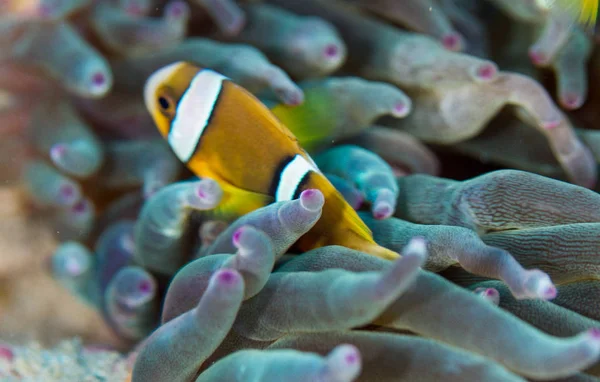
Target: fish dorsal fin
{"type": "Point", "coordinates": [312, 122]}
{"type": "Point", "coordinates": [273, 121]}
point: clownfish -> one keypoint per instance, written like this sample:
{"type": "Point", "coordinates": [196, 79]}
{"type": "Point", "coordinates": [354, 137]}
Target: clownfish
{"type": "Point", "coordinates": [221, 131]}
{"type": "Point", "coordinates": [584, 11]}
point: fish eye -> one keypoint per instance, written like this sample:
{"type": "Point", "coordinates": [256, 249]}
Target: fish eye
{"type": "Point", "coordinates": [164, 103]}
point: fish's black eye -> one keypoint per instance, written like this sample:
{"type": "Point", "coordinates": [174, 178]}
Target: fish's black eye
{"type": "Point", "coordinates": [164, 103]}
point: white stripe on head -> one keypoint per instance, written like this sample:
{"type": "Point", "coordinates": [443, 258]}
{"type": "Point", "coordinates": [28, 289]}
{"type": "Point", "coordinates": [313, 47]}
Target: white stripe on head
{"type": "Point", "coordinates": [156, 80]}
{"type": "Point", "coordinates": [193, 113]}
{"type": "Point", "coordinates": [291, 176]}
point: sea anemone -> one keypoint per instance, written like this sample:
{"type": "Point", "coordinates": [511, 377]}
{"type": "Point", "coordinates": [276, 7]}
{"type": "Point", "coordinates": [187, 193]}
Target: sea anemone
{"type": "Point", "coordinates": [433, 118]}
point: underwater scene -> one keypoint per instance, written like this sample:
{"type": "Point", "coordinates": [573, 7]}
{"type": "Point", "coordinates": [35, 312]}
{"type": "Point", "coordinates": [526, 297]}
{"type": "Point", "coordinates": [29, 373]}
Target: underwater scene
{"type": "Point", "coordinates": [299, 190]}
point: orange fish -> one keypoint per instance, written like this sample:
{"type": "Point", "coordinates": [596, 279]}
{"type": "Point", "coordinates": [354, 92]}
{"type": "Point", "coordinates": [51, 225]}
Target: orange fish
{"type": "Point", "coordinates": [221, 131]}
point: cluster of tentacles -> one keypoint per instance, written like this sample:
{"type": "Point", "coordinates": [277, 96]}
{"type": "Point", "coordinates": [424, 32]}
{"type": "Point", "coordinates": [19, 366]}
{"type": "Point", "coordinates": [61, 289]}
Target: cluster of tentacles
{"type": "Point", "coordinates": [210, 300]}
{"type": "Point", "coordinates": [240, 289]}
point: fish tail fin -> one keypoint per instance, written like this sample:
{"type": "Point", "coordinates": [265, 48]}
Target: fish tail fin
{"type": "Point", "coordinates": [336, 206]}
{"type": "Point", "coordinates": [344, 225]}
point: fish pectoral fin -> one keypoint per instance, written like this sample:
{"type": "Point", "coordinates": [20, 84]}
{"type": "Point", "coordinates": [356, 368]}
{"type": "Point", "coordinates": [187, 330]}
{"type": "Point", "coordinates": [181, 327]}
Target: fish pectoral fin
{"type": "Point", "coordinates": [237, 202]}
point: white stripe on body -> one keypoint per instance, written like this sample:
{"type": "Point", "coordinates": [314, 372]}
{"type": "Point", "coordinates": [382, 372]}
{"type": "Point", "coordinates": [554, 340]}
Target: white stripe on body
{"type": "Point", "coordinates": [193, 113]}
{"type": "Point", "coordinates": [312, 162]}
{"type": "Point", "coordinates": [291, 176]}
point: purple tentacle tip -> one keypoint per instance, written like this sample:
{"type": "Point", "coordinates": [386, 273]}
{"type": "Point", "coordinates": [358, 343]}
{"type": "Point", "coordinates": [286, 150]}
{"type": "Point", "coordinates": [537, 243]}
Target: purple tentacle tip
{"type": "Point", "coordinates": [312, 199]}
{"type": "Point", "coordinates": [487, 72]}
{"type": "Point", "coordinates": [68, 194]}
{"type": "Point", "coordinates": [549, 125]}
{"type": "Point", "coordinates": [58, 151]}
{"type": "Point", "coordinates": [73, 267]}
{"type": "Point", "coordinates": [452, 41]}
{"type": "Point", "coordinates": [572, 101]}
{"type": "Point", "coordinates": [98, 79]}
{"type": "Point", "coordinates": [383, 206]}
{"type": "Point", "coordinates": [352, 358]}
{"type": "Point", "coordinates": [80, 207]}
{"type": "Point", "coordinates": [549, 293]}
{"type": "Point", "coordinates": [382, 211]}
{"type": "Point", "coordinates": [228, 277]}
{"type": "Point", "coordinates": [537, 284]}
{"type": "Point", "coordinates": [145, 286]}
{"type": "Point", "coordinates": [177, 9]}
{"type": "Point", "coordinates": [490, 294]}
{"type": "Point", "coordinates": [537, 57]}
{"type": "Point", "coordinates": [400, 109]}
{"type": "Point", "coordinates": [6, 353]}
{"type": "Point", "coordinates": [208, 190]}
{"type": "Point", "coordinates": [237, 235]}
{"type": "Point", "coordinates": [344, 363]}
{"type": "Point", "coordinates": [331, 51]}
{"type": "Point", "coordinates": [99, 83]}
{"type": "Point", "coordinates": [595, 333]}
{"type": "Point", "coordinates": [67, 191]}
{"type": "Point", "coordinates": [292, 98]}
